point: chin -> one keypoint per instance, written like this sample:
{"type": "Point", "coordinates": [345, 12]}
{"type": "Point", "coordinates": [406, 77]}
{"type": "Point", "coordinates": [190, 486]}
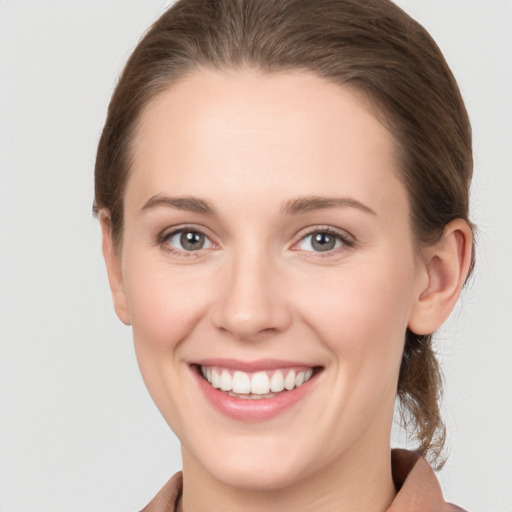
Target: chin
{"type": "Point", "coordinates": [257, 477]}
{"type": "Point", "coordinates": [254, 464]}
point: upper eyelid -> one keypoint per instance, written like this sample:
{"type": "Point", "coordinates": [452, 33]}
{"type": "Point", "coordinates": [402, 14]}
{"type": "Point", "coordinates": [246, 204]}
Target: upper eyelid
{"type": "Point", "coordinates": [170, 231]}
{"type": "Point", "coordinates": [341, 233]}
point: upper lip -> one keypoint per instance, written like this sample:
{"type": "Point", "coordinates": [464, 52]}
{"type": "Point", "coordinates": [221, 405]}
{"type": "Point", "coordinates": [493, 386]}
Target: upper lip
{"type": "Point", "coordinates": [253, 366]}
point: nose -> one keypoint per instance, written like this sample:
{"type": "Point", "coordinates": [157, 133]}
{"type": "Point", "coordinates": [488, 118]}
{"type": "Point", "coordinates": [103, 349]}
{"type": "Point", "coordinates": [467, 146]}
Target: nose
{"type": "Point", "coordinates": [252, 302]}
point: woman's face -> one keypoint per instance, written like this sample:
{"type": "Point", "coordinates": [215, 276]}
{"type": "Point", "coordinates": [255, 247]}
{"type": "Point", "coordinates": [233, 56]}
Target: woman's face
{"type": "Point", "coordinates": [267, 242]}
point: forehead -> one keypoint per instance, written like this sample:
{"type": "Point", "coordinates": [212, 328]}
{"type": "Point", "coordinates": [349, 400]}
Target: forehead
{"type": "Point", "coordinates": [251, 131]}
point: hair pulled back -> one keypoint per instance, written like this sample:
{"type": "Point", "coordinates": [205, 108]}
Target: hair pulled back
{"type": "Point", "coordinates": [373, 47]}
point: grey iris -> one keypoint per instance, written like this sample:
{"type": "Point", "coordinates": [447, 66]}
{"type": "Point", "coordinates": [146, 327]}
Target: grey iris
{"type": "Point", "coordinates": [323, 242]}
{"type": "Point", "coordinates": [192, 240]}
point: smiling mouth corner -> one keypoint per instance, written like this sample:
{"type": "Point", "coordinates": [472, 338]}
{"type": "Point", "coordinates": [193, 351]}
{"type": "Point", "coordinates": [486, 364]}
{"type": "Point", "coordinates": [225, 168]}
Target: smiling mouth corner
{"type": "Point", "coordinates": [256, 385]}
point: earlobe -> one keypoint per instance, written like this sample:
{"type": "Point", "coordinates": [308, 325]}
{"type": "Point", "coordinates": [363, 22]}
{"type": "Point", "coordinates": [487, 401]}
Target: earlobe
{"type": "Point", "coordinates": [114, 269]}
{"type": "Point", "coordinates": [447, 264]}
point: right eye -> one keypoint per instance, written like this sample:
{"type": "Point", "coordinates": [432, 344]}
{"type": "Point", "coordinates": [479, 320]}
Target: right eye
{"type": "Point", "coordinates": [186, 240]}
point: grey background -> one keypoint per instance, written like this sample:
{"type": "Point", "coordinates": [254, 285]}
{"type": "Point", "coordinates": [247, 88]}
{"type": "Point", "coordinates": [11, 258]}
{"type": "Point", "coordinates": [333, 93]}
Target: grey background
{"type": "Point", "coordinates": [78, 431]}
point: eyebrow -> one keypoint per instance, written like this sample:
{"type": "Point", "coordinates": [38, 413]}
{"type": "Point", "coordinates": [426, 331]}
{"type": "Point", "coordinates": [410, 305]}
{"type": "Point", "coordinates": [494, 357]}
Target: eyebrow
{"type": "Point", "coordinates": [189, 204]}
{"type": "Point", "coordinates": [292, 207]}
{"type": "Point", "coordinates": [313, 203]}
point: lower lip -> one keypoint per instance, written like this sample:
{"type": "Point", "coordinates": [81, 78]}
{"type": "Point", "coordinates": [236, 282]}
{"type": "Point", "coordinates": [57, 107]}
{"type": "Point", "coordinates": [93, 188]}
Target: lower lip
{"type": "Point", "coordinates": [252, 409]}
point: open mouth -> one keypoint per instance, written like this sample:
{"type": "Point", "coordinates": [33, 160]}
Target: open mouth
{"type": "Point", "coordinates": [256, 385]}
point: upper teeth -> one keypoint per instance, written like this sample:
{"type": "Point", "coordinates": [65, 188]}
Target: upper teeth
{"type": "Point", "coordinates": [259, 383]}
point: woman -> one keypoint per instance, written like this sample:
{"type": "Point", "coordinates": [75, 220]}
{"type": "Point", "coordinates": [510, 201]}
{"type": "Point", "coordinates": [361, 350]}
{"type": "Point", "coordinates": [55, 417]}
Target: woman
{"type": "Point", "coordinates": [283, 194]}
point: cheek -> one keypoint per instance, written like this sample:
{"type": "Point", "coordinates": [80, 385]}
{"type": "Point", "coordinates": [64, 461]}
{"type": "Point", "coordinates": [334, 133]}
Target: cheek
{"type": "Point", "coordinates": [165, 304]}
{"type": "Point", "coordinates": [361, 311]}
{"type": "Point", "coordinates": [361, 317]}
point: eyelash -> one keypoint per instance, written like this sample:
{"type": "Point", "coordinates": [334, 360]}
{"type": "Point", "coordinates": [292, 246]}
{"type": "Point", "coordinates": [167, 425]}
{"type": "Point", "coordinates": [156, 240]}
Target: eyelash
{"type": "Point", "coordinates": [164, 237]}
{"type": "Point", "coordinates": [346, 241]}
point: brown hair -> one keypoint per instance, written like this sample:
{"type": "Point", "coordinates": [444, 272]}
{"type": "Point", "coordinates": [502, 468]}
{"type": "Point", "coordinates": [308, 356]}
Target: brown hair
{"type": "Point", "coordinates": [372, 46]}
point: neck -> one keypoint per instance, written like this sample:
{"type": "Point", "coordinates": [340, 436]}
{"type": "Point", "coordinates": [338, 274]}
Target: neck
{"type": "Point", "coordinates": [357, 482]}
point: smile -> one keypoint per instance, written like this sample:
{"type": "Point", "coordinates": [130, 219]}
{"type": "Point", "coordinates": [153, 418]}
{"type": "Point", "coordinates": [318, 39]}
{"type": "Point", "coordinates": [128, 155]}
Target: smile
{"type": "Point", "coordinates": [255, 385]}
{"type": "Point", "coordinates": [254, 391]}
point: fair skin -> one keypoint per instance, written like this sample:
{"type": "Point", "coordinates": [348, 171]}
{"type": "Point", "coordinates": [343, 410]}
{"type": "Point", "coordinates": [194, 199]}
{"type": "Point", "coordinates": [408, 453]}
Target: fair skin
{"type": "Point", "coordinates": [307, 261]}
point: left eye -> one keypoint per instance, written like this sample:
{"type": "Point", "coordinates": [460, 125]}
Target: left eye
{"type": "Point", "coordinates": [188, 240]}
{"type": "Point", "coordinates": [320, 241]}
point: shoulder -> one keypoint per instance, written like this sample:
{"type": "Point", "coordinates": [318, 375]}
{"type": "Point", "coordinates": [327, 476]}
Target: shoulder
{"type": "Point", "coordinates": [167, 499]}
{"type": "Point", "coordinates": [417, 485]}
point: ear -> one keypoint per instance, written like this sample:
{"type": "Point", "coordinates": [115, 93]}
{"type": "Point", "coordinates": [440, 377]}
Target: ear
{"type": "Point", "coordinates": [447, 264]}
{"type": "Point", "coordinates": [114, 269]}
